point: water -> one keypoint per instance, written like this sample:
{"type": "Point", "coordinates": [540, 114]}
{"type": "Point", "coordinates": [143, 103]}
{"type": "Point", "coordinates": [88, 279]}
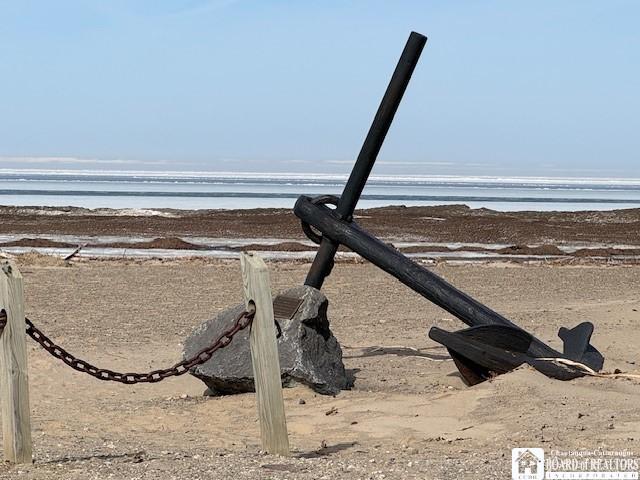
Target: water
{"type": "Point", "coordinates": [148, 190]}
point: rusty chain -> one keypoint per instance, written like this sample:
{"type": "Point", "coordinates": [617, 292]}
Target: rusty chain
{"type": "Point", "coordinates": [241, 322]}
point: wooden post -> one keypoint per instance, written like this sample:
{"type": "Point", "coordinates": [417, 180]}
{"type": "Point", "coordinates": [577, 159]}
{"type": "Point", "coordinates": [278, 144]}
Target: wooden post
{"type": "Point", "coordinates": [14, 381]}
{"type": "Point", "coordinates": [264, 356]}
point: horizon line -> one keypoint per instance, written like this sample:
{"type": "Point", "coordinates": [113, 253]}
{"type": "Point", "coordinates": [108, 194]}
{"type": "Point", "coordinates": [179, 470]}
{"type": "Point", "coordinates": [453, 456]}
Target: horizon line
{"type": "Point", "coordinates": [314, 175]}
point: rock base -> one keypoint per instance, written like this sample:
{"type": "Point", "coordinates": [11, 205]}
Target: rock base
{"type": "Point", "coordinates": [309, 353]}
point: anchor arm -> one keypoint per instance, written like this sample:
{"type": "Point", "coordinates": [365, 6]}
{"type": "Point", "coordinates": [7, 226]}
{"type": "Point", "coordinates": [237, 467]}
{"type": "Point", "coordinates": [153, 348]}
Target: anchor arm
{"type": "Point", "coordinates": [413, 275]}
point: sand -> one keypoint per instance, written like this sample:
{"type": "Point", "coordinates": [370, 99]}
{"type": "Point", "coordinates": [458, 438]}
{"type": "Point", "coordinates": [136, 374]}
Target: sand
{"type": "Point", "coordinates": [408, 416]}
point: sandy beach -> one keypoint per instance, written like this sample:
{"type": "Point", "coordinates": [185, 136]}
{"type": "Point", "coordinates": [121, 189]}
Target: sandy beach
{"type": "Point", "coordinates": [409, 414]}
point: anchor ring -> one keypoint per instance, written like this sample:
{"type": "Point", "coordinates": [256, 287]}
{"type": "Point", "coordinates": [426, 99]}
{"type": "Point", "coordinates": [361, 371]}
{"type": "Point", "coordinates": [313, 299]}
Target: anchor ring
{"type": "Point", "coordinates": [319, 200]}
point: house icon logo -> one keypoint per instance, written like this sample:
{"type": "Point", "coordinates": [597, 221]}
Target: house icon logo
{"type": "Point", "coordinates": [527, 463]}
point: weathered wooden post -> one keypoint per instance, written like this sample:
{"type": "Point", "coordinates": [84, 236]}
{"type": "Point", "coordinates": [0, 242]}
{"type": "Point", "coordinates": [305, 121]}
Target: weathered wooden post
{"type": "Point", "coordinates": [14, 380]}
{"type": "Point", "coordinates": [264, 356]}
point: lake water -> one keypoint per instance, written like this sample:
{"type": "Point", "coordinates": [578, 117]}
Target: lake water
{"type": "Point", "coordinates": [261, 190]}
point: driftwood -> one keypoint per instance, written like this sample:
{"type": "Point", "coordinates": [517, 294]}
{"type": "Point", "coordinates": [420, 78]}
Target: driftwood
{"type": "Point", "coordinates": [74, 253]}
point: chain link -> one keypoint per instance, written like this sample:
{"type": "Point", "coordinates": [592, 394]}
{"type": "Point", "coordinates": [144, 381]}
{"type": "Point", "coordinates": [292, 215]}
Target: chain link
{"type": "Point", "coordinates": [241, 322]}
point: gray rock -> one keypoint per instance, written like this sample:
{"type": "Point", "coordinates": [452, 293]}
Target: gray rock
{"type": "Point", "coordinates": [309, 353]}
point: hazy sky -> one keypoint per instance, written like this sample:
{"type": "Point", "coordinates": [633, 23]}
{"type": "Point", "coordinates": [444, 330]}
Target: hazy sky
{"type": "Point", "coordinates": [503, 88]}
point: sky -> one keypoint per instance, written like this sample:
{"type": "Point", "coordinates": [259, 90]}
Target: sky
{"type": "Point", "coordinates": [503, 88]}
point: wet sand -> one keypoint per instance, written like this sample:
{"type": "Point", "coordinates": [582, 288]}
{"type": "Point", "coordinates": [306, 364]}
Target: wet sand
{"type": "Point", "coordinates": [452, 233]}
{"type": "Point", "coordinates": [444, 224]}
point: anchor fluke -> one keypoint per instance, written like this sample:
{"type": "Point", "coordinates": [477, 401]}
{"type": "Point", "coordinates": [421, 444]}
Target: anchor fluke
{"type": "Point", "coordinates": [577, 346]}
{"type": "Point", "coordinates": [485, 351]}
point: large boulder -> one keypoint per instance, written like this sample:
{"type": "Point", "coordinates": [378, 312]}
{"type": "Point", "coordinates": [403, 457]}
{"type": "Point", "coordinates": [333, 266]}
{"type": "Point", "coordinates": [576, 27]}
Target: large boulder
{"type": "Point", "coordinates": [309, 353]}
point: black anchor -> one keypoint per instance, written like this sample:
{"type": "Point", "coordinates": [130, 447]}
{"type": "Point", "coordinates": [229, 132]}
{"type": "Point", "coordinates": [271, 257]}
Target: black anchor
{"type": "Point", "coordinates": [493, 344]}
